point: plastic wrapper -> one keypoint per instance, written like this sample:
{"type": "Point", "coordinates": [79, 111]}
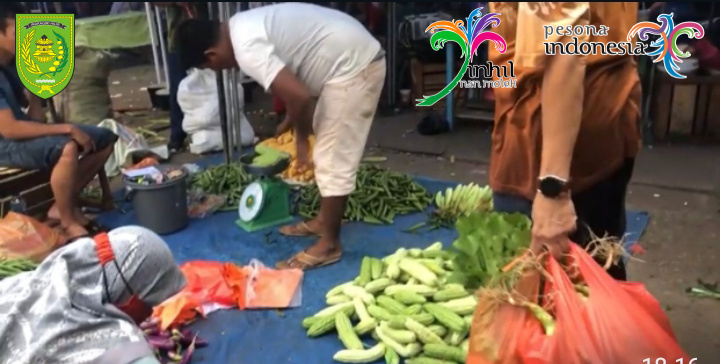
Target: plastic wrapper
{"type": "Point", "coordinates": [616, 322]}
{"type": "Point", "coordinates": [24, 237]}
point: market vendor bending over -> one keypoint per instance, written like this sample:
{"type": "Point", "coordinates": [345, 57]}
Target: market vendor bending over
{"type": "Point", "coordinates": [565, 139]}
{"type": "Point", "coordinates": [300, 52]}
{"type": "Point", "coordinates": [84, 302]}
{"type": "Point", "coordinates": [72, 153]}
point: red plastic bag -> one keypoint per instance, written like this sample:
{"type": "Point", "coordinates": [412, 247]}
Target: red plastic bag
{"type": "Point", "coordinates": [619, 323]}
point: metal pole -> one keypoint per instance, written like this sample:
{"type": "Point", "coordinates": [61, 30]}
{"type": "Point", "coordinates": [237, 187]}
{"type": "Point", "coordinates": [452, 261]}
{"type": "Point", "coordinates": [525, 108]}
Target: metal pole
{"type": "Point", "coordinates": [222, 109]}
{"type": "Point", "coordinates": [393, 50]}
{"type": "Point", "coordinates": [229, 110]}
{"type": "Point", "coordinates": [389, 56]}
{"type": "Point", "coordinates": [238, 110]}
{"type": "Point", "coordinates": [153, 41]}
{"type": "Point", "coordinates": [229, 96]}
{"type": "Point", "coordinates": [449, 63]}
{"type": "Point", "coordinates": [163, 49]}
{"type": "Point", "coordinates": [237, 102]}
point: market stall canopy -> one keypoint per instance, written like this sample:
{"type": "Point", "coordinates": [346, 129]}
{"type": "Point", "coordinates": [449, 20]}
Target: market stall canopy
{"type": "Point", "coordinates": [128, 30]}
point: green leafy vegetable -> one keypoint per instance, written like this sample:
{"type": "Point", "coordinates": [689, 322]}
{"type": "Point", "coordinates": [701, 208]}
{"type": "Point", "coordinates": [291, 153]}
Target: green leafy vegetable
{"type": "Point", "coordinates": [487, 241]}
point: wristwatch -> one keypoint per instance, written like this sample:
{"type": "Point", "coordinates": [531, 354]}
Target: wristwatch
{"type": "Point", "coordinates": [552, 186]}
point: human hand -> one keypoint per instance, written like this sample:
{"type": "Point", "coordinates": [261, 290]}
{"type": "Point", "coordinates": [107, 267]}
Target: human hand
{"type": "Point", "coordinates": [553, 220]}
{"type": "Point", "coordinates": [303, 163]}
{"type": "Point", "coordinates": [86, 143]}
{"type": "Point", "coordinates": [283, 127]}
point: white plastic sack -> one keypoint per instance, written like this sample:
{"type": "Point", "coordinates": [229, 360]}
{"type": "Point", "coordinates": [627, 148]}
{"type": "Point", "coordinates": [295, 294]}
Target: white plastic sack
{"type": "Point", "coordinates": [128, 142]}
{"type": "Point", "coordinates": [198, 98]}
{"type": "Point", "coordinates": [206, 141]}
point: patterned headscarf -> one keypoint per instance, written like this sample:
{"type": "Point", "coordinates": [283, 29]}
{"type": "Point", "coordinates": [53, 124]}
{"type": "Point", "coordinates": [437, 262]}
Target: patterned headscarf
{"type": "Point", "coordinates": [59, 312]}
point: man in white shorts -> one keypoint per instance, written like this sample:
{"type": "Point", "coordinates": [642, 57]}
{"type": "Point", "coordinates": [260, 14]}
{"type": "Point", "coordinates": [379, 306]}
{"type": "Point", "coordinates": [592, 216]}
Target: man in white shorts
{"type": "Point", "coordinates": [329, 71]}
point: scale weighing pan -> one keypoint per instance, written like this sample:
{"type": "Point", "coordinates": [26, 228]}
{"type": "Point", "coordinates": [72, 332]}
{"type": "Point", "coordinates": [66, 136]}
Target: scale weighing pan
{"type": "Point", "coordinates": [267, 171]}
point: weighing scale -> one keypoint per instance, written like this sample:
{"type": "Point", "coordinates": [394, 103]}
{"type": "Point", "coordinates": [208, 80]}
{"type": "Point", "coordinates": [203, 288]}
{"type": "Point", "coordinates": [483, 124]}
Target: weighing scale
{"type": "Point", "coordinates": [265, 202]}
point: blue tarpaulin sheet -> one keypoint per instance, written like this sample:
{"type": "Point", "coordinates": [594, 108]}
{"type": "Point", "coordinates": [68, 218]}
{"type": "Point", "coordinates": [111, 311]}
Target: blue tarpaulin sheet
{"type": "Point", "coordinates": [270, 336]}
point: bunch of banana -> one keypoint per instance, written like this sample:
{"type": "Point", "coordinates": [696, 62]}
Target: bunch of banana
{"type": "Point", "coordinates": [286, 143]}
{"type": "Point", "coordinates": [460, 201]}
{"type": "Point", "coordinates": [10, 267]}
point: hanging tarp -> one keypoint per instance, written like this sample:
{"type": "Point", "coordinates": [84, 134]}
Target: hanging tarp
{"type": "Point", "coordinates": [128, 30]}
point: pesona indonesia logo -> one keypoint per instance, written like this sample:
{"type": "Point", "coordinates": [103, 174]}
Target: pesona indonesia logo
{"type": "Point", "coordinates": [664, 49]}
{"type": "Point", "coordinates": [667, 50]}
{"type": "Point", "coordinates": [469, 39]}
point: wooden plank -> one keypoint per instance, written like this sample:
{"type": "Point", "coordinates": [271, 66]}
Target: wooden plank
{"type": "Point", "coordinates": [13, 185]}
{"type": "Point", "coordinates": [38, 194]}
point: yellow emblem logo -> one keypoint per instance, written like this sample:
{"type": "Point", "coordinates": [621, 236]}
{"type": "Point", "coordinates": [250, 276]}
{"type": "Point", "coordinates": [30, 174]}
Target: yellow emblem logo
{"type": "Point", "coordinates": [45, 52]}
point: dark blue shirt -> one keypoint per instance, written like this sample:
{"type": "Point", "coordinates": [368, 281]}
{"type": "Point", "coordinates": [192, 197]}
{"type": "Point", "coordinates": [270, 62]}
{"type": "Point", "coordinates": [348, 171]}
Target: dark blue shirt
{"type": "Point", "coordinates": [11, 90]}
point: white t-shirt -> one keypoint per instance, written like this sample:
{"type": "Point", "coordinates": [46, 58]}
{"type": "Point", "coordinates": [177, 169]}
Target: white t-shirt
{"type": "Point", "coordinates": [319, 45]}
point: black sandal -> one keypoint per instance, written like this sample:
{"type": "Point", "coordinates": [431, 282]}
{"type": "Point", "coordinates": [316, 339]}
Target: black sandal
{"type": "Point", "coordinates": [72, 240]}
{"type": "Point", "coordinates": [94, 228]}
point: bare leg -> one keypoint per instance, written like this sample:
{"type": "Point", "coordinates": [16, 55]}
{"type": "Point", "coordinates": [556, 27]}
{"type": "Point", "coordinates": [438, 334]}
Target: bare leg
{"type": "Point", "coordinates": [62, 183]}
{"type": "Point", "coordinates": [87, 168]}
{"type": "Point", "coordinates": [330, 219]}
{"type": "Point", "coordinates": [327, 249]}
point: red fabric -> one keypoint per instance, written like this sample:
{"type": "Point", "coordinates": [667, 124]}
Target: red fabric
{"type": "Point", "coordinates": [619, 323]}
{"type": "Point", "coordinates": [278, 105]}
{"type": "Point", "coordinates": [707, 53]}
{"type": "Point", "coordinates": [373, 15]}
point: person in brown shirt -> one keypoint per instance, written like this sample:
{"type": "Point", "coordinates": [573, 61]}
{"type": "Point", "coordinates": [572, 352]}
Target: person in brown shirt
{"type": "Point", "coordinates": [565, 138]}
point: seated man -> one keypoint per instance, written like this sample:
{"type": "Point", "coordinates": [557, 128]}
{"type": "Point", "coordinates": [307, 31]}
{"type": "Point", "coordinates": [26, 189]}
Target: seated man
{"type": "Point", "coordinates": [73, 153]}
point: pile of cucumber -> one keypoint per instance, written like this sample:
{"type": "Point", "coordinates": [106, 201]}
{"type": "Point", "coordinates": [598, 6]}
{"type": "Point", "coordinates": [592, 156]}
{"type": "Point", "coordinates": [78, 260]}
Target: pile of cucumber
{"type": "Point", "coordinates": [404, 303]}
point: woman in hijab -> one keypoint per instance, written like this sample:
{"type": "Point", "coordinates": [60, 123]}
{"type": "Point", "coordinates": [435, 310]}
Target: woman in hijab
{"type": "Point", "coordinates": [84, 302]}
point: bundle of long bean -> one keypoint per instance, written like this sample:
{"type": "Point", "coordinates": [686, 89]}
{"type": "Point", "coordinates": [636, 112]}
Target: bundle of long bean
{"type": "Point", "coordinates": [226, 179]}
{"type": "Point", "coordinates": [380, 196]}
{"type": "Point", "coordinates": [10, 267]}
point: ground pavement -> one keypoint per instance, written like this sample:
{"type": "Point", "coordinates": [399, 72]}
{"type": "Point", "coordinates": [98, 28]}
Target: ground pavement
{"type": "Point", "coordinates": [674, 183]}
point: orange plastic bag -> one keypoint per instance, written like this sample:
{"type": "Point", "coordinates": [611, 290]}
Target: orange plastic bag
{"type": "Point", "coordinates": [24, 237]}
{"type": "Point", "coordinates": [272, 288]}
{"type": "Point", "coordinates": [179, 309]}
{"type": "Point", "coordinates": [619, 323]}
{"type": "Point", "coordinates": [206, 282]}
{"type": "Point", "coordinates": [210, 284]}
